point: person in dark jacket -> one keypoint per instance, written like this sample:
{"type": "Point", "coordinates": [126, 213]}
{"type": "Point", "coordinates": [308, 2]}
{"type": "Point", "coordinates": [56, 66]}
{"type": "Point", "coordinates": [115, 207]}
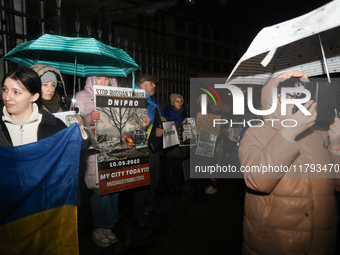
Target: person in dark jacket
{"type": "Point", "coordinates": [175, 111]}
{"type": "Point", "coordinates": [144, 198]}
{"type": "Point", "coordinates": [173, 157]}
{"type": "Point", "coordinates": [22, 121]}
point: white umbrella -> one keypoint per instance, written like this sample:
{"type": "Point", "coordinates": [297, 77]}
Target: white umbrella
{"type": "Point", "coordinates": [309, 43]}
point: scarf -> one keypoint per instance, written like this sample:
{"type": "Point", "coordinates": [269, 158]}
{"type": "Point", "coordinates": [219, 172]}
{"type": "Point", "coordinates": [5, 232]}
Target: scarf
{"type": "Point", "coordinates": [178, 112]}
{"type": "Point", "coordinates": [172, 114]}
{"type": "Point", "coordinates": [151, 108]}
{"type": "Point", "coordinates": [52, 105]}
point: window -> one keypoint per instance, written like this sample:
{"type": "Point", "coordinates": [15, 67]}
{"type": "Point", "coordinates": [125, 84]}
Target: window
{"type": "Point", "coordinates": [217, 52]}
{"type": "Point", "coordinates": [180, 44]}
{"type": "Point", "coordinates": [193, 47]}
{"type": "Point", "coordinates": [229, 38]}
{"type": "Point", "coordinates": [239, 41]}
{"type": "Point", "coordinates": [236, 55]}
{"type": "Point", "coordinates": [180, 25]}
{"type": "Point", "coordinates": [226, 69]}
{"type": "Point", "coordinates": [227, 54]}
{"type": "Point", "coordinates": [206, 32]}
{"type": "Point", "coordinates": [217, 35]}
{"type": "Point", "coordinates": [217, 68]}
{"type": "Point", "coordinates": [206, 49]}
{"type": "Point", "coordinates": [205, 66]}
{"type": "Point", "coordinates": [193, 29]}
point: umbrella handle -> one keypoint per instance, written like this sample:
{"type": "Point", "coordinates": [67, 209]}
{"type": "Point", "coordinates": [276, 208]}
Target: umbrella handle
{"type": "Point", "coordinates": [133, 81]}
{"type": "Point", "coordinates": [74, 80]}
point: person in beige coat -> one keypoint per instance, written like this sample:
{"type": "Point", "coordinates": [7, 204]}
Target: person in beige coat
{"type": "Point", "coordinates": [287, 212]}
{"type": "Point", "coordinates": [53, 92]}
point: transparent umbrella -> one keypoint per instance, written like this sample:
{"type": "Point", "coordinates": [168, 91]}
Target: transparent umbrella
{"type": "Point", "coordinates": [309, 43]}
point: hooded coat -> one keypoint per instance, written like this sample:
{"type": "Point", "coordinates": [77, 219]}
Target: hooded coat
{"type": "Point", "coordinates": [287, 213]}
{"type": "Point", "coordinates": [60, 91]}
{"type": "Point", "coordinates": [85, 103]}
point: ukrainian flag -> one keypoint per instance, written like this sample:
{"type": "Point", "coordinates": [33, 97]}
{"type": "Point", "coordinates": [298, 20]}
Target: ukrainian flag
{"type": "Point", "coordinates": [38, 195]}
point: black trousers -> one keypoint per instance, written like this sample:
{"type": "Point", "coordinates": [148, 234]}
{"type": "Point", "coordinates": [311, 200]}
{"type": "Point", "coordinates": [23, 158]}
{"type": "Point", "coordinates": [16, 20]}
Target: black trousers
{"type": "Point", "coordinates": [144, 197]}
{"type": "Point", "coordinates": [173, 173]}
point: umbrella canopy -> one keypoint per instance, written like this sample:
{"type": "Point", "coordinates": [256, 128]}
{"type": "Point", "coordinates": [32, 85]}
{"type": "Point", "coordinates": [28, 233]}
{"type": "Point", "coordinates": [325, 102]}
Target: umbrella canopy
{"type": "Point", "coordinates": [309, 43]}
{"type": "Point", "coordinates": [92, 57]}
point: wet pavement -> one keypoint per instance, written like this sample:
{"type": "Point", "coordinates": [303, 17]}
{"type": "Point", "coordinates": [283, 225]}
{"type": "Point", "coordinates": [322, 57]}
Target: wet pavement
{"type": "Point", "coordinates": [213, 226]}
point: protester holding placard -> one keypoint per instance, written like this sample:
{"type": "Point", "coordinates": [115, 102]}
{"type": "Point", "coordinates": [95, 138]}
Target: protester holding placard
{"type": "Point", "coordinates": [173, 156]}
{"type": "Point", "coordinates": [104, 208]}
{"type": "Point", "coordinates": [144, 202]}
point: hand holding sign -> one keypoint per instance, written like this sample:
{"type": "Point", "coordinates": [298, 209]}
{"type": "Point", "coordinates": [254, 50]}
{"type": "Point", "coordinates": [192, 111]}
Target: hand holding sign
{"type": "Point", "coordinates": [95, 116]}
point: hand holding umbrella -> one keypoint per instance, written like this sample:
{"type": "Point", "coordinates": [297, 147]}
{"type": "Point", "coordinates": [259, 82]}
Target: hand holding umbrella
{"type": "Point", "coordinates": [334, 135]}
{"type": "Point", "coordinates": [303, 122]}
{"type": "Point", "coordinates": [293, 74]}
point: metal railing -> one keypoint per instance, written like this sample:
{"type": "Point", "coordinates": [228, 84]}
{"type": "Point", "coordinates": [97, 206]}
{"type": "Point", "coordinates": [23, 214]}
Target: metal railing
{"type": "Point", "coordinates": [174, 71]}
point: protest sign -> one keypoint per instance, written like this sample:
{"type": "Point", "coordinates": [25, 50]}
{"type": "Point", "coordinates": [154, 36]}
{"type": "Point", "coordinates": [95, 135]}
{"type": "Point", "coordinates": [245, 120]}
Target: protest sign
{"type": "Point", "coordinates": [170, 136]}
{"type": "Point", "coordinates": [206, 144]}
{"type": "Point", "coordinates": [205, 123]}
{"type": "Point", "coordinates": [187, 132]}
{"type": "Point", "coordinates": [122, 138]}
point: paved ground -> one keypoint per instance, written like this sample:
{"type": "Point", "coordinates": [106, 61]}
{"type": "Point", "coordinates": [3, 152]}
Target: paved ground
{"type": "Point", "coordinates": [190, 227]}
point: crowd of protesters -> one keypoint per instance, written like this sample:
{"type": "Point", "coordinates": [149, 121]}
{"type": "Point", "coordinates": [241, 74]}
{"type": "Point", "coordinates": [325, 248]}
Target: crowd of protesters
{"type": "Point", "coordinates": [283, 215]}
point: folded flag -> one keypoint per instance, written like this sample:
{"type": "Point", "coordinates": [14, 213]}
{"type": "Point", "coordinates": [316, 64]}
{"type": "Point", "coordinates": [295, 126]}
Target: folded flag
{"type": "Point", "coordinates": [38, 195]}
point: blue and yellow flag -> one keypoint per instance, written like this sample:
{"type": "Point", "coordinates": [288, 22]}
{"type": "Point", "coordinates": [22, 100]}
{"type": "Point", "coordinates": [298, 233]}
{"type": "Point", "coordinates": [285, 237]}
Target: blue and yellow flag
{"type": "Point", "coordinates": [38, 195]}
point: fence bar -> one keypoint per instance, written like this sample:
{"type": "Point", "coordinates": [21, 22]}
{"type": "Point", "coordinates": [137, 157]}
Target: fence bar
{"type": "Point", "coordinates": [59, 15]}
{"type": "Point", "coordinates": [109, 33]}
{"type": "Point", "coordinates": [146, 59]}
{"type": "Point", "coordinates": [42, 16]}
{"type": "Point", "coordinates": [126, 43]}
{"type": "Point", "coordinates": [4, 35]}
{"type": "Point", "coordinates": [140, 58]}
{"type": "Point", "coordinates": [99, 30]}
{"type": "Point", "coordinates": [24, 19]}
{"type": "Point", "coordinates": [89, 27]}
{"type": "Point", "coordinates": [162, 76]}
{"type": "Point", "coordinates": [173, 70]}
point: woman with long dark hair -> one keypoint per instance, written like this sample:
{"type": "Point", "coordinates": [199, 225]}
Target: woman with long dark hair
{"type": "Point", "coordinates": [22, 119]}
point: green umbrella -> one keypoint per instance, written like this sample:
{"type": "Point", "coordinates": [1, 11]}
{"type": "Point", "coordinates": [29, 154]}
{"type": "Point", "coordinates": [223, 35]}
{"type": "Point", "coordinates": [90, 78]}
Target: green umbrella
{"type": "Point", "coordinates": [74, 55]}
{"type": "Point", "coordinates": [92, 58]}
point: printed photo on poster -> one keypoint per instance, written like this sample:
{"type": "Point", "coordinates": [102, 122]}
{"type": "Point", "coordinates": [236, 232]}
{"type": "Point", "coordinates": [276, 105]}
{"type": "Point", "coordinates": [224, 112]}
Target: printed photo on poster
{"type": "Point", "coordinates": [187, 132]}
{"type": "Point", "coordinates": [70, 117]}
{"type": "Point", "coordinates": [122, 138]}
{"type": "Point", "coordinates": [206, 144]}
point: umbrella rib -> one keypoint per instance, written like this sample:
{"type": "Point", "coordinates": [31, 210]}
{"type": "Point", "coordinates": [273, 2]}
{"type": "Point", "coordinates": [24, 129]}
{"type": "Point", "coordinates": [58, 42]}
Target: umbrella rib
{"type": "Point", "coordinates": [324, 59]}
